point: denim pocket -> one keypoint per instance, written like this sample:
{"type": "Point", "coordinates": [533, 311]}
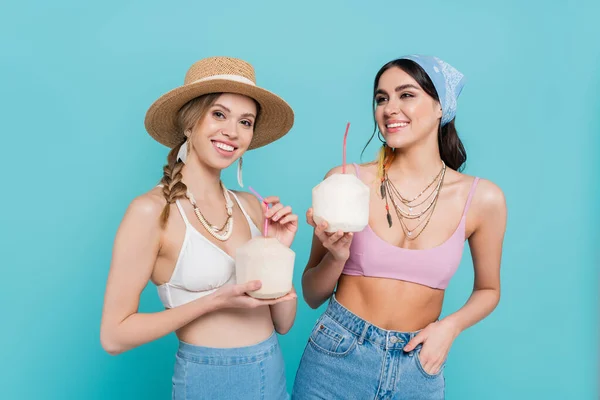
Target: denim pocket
{"type": "Point", "coordinates": [331, 338]}
{"type": "Point", "coordinates": [420, 365]}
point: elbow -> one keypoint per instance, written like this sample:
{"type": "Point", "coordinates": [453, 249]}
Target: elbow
{"type": "Point", "coordinates": [283, 326]}
{"type": "Point", "coordinates": [310, 299]}
{"type": "Point", "coordinates": [110, 345]}
{"type": "Point", "coordinates": [112, 352]}
{"type": "Point", "coordinates": [312, 303]}
{"type": "Point", "coordinates": [491, 295]}
{"type": "Point", "coordinates": [497, 298]}
{"type": "Point", "coordinates": [495, 291]}
{"type": "Point", "coordinates": [282, 330]}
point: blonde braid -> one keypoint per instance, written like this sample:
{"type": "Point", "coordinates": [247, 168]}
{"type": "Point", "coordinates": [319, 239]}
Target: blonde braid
{"type": "Point", "coordinates": [188, 116]}
{"type": "Point", "coordinates": [173, 187]}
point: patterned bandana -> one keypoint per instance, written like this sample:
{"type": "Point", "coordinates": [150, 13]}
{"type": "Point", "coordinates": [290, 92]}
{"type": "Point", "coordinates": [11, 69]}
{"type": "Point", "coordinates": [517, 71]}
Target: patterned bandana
{"type": "Point", "coordinates": [448, 82]}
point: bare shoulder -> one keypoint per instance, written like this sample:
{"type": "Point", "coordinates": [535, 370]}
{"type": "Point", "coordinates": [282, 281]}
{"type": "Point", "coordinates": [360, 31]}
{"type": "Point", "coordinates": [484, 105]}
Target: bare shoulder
{"type": "Point", "coordinates": [333, 171]}
{"type": "Point", "coordinates": [488, 197]}
{"type": "Point", "coordinates": [147, 207]}
{"type": "Point", "coordinates": [251, 204]}
{"type": "Point", "coordinates": [488, 205]}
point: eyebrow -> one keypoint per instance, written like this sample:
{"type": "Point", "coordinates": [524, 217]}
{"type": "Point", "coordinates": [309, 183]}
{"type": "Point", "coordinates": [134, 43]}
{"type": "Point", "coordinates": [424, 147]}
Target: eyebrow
{"type": "Point", "coordinates": [398, 88]}
{"type": "Point", "coordinates": [229, 111]}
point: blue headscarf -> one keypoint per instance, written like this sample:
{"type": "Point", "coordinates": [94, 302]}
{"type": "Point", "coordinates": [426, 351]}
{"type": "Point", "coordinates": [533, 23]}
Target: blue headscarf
{"type": "Point", "coordinates": [447, 80]}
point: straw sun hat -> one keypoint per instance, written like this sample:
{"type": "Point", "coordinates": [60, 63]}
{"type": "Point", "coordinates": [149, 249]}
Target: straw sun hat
{"type": "Point", "coordinates": [219, 75]}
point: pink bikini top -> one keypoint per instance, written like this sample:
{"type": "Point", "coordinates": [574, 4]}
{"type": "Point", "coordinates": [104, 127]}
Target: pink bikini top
{"type": "Point", "coordinates": [372, 256]}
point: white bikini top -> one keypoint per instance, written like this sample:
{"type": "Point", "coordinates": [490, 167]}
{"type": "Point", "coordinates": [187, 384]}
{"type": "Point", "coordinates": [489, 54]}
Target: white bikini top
{"type": "Point", "coordinates": [201, 266]}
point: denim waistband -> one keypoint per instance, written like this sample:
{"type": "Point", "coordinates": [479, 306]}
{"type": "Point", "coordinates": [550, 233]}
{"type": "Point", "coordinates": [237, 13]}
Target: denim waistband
{"type": "Point", "coordinates": [229, 356]}
{"type": "Point", "coordinates": [364, 330]}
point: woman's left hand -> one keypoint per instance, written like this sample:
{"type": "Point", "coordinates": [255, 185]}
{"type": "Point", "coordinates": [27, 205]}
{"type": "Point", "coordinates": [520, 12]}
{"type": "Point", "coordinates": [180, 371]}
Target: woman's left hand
{"type": "Point", "coordinates": [437, 338]}
{"type": "Point", "coordinates": [283, 225]}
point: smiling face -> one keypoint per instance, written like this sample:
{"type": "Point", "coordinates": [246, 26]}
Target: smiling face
{"type": "Point", "coordinates": [224, 132]}
{"type": "Point", "coordinates": [404, 112]}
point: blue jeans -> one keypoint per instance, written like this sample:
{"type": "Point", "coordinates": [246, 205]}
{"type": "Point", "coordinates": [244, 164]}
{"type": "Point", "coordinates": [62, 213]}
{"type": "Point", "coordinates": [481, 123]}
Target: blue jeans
{"type": "Point", "coordinates": [253, 372]}
{"type": "Point", "coordinates": [348, 358]}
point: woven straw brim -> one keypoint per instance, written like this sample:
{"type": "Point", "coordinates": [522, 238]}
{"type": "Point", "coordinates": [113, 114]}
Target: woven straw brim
{"type": "Point", "coordinates": [275, 117]}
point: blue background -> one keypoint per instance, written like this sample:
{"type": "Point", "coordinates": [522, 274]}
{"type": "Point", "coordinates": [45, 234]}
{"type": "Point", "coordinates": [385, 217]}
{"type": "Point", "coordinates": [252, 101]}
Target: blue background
{"type": "Point", "coordinates": [77, 77]}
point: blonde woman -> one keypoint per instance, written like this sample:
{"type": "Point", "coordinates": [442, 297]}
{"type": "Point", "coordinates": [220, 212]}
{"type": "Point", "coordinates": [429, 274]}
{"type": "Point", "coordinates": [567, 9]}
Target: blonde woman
{"type": "Point", "coordinates": [182, 235]}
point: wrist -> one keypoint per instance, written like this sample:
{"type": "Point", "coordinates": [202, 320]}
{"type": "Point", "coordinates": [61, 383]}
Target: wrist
{"type": "Point", "coordinates": [453, 325]}
{"type": "Point", "coordinates": [336, 263]}
{"type": "Point", "coordinates": [213, 302]}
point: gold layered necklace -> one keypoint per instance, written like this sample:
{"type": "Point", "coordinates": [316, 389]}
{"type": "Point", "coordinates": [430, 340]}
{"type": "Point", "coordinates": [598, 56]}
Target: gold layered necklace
{"type": "Point", "coordinates": [223, 232]}
{"type": "Point", "coordinates": [410, 209]}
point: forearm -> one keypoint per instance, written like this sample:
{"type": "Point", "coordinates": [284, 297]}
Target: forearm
{"type": "Point", "coordinates": [138, 328]}
{"type": "Point", "coordinates": [481, 303]}
{"type": "Point", "coordinates": [283, 315]}
{"type": "Point", "coordinates": [318, 283]}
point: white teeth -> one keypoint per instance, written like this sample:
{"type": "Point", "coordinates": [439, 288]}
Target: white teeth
{"type": "Point", "coordinates": [224, 146]}
{"type": "Point", "coordinates": [397, 125]}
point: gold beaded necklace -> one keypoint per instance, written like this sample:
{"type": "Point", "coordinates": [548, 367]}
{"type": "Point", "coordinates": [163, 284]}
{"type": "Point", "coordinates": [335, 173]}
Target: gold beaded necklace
{"type": "Point", "coordinates": [220, 233]}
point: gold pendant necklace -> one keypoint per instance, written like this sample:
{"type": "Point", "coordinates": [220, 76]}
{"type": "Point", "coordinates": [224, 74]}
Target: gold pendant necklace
{"type": "Point", "coordinates": [388, 189]}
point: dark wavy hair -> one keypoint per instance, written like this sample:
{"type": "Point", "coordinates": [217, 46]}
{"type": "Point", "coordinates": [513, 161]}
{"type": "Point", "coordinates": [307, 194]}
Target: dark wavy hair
{"type": "Point", "coordinates": [452, 150]}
